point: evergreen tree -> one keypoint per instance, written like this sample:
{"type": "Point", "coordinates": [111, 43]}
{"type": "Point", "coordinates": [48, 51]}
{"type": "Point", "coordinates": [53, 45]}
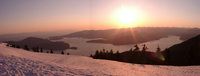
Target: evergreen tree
{"type": "Point", "coordinates": [51, 51]}
{"type": "Point", "coordinates": [144, 48]}
{"type": "Point", "coordinates": [136, 48]}
{"type": "Point", "coordinates": [26, 47]}
{"type": "Point", "coordinates": [104, 50]}
{"type": "Point", "coordinates": [13, 45]}
{"type": "Point", "coordinates": [97, 54]}
{"type": "Point", "coordinates": [41, 50]}
{"type": "Point", "coordinates": [7, 44]}
{"type": "Point", "coordinates": [91, 55]}
{"type": "Point", "coordinates": [18, 46]}
{"type": "Point", "coordinates": [33, 48]}
{"type": "Point", "coordinates": [37, 49]}
{"type": "Point", "coordinates": [158, 49]}
{"type": "Point", "coordinates": [131, 50]}
{"type": "Point", "coordinates": [107, 52]}
{"type": "Point", "coordinates": [117, 57]}
{"type": "Point", "coordinates": [100, 54]}
{"type": "Point", "coordinates": [111, 52]}
{"type": "Point", "coordinates": [117, 52]}
{"type": "Point", "coordinates": [144, 58]}
{"type": "Point", "coordinates": [62, 52]}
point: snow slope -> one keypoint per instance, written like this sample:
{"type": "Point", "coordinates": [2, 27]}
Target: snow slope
{"type": "Point", "coordinates": [24, 63]}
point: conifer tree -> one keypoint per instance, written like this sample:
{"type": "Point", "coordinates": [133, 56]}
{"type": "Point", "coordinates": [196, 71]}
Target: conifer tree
{"type": "Point", "coordinates": [91, 55]}
{"type": "Point", "coordinates": [34, 49]}
{"type": "Point", "coordinates": [111, 51]}
{"type": "Point", "coordinates": [62, 52]}
{"type": "Point", "coordinates": [144, 48]}
{"type": "Point", "coordinates": [51, 51]}
{"type": "Point", "coordinates": [117, 56]}
{"type": "Point", "coordinates": [13, 45]}
{"type": "Point", "coordinates": [131, 50]}
{"type": "Point", "coordinates": [41, 50]}
{"type": "Point", "coordinates": [103, 50]}
{"type": "Point", "coordinates": [158, 49]}
{"type": "Point", "coordinates": [26, 47]}
{"type": "Point", "coordinates": [18, 46]}
{"type": "Point", "coordinates": [37, 49]}
{"type": "Point", "coordinates": [136, 48]}
{"type": "Point", "coordinates": [97, 54]}
{"type": "Point", "coordinates": [7, 44]}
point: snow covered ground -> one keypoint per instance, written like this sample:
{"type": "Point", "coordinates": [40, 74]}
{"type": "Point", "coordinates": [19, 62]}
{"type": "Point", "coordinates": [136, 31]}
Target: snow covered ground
{"type": "Point", "coordinates": [24, 63]}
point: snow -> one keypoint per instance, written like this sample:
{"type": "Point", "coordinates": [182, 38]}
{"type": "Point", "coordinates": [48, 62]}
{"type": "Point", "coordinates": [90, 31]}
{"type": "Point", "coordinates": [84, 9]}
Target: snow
{"type": "Point", "coordinates": [19, 62]}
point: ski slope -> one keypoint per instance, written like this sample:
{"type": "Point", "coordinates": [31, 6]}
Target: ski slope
{"type": "Point", "coordinates": [24, 63]}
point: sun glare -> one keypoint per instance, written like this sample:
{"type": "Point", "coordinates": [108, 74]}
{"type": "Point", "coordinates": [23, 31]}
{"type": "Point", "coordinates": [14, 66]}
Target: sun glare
{"type": "Point", "coordinates": [127, 17]}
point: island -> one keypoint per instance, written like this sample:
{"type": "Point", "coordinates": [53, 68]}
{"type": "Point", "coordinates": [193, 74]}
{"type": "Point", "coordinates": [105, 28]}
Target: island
{"type": "Point", "coordinates": [33, 42]}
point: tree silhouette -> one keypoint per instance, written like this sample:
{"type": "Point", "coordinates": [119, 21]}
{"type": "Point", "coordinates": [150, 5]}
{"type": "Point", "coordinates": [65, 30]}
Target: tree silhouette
{"type": "Point", "coordinates": [62, 52]}
{"type": "Point", "coordinates": [13, 45]}
{"type": "Point", "coordinates": [34, 49]}
{"type": "Point", "coordinates": [158, 49]}
{"type": "Point", "coordinates": [18, 46]}
{"type": "Point", "coordinates": [131, 50]}
{"type": "Point", "coordinates": [111, 52]}
{"type": "Point", "coordinates": [51, 51]}
{"type": "Point", "coordinates": [41, 50]}
{"type": "Point", "coordinates": [7, 44]}
{"type": "Point", "coordinates": [144, 48]}
{"type": "Point", "coordinates": [37, 49]}
{"type": "Point", "coordinates": [136, 48]}
{"type": "Point", "coordinates": [26, 47]}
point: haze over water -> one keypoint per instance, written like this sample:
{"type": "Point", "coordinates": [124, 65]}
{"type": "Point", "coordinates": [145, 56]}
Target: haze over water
{"type": "Point", "coordinates": [87, 49]}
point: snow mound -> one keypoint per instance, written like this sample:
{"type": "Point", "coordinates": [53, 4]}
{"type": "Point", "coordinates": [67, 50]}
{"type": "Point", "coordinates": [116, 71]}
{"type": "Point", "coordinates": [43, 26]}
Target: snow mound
{"type": "Point", "coordinates": [24, 63]}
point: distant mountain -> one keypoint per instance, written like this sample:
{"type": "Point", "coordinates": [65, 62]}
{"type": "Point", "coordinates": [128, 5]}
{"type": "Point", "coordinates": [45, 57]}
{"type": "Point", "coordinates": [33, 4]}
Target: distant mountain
{"type": "Point", "coordinates": [132, 35]}
{"type": "Point", "coordinates": [21, 36]}
{"type": "Point", "coordinates": [185, 53]}
{"type": "Point", "coordinates": [41, 43]}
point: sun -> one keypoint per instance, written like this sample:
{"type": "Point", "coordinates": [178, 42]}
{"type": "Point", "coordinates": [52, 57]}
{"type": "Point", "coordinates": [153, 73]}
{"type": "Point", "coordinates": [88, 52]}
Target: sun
{"type": "Point", "coordinates": [127, 17]}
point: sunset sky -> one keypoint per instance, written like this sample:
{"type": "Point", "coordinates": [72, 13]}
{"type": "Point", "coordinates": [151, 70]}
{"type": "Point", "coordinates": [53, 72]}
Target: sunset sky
{"type": "Point", "coordinates": [17, 16]}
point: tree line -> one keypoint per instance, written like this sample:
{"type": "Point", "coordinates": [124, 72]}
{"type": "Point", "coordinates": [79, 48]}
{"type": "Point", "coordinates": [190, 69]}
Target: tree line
{"type": "Point", "coordinates": [132, 56]}
{"type": "Point", "coordinates": [34, 49]}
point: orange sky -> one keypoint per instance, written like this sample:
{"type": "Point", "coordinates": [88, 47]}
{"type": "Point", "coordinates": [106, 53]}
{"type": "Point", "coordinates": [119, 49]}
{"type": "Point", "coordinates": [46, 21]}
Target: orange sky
{"type": "Point", "coordinates": [50, 15]}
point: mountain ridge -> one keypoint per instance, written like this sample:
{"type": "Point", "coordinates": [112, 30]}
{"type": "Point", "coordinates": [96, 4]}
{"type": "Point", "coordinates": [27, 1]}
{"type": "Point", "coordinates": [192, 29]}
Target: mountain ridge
{"type": "Point", "coordinates": [137, 35]}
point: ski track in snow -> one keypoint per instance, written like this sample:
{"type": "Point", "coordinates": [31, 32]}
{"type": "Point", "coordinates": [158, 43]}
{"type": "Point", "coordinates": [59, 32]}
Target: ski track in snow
{"type": "Point", "coordinates": [18, 62]}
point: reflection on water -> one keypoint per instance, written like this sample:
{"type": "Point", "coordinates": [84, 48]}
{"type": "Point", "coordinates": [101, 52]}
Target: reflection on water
{"type": "Point", "coordinates": [86, 49]}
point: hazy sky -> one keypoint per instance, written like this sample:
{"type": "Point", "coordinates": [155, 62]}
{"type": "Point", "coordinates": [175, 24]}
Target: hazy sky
{"type": "Point", "coordinates": [18, 16]}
